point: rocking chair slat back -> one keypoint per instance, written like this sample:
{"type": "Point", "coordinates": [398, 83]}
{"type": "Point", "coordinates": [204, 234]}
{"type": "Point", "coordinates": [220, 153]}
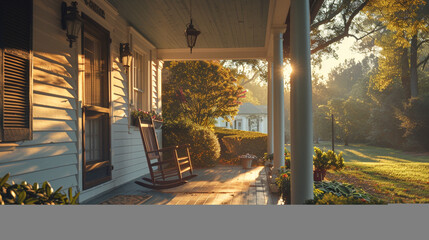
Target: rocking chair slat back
{"type": "Point", "coordinates": [164, 173]}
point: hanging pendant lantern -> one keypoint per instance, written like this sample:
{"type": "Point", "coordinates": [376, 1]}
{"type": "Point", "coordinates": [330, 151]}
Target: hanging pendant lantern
{"type": "Point", "coordinates": [191, 33]}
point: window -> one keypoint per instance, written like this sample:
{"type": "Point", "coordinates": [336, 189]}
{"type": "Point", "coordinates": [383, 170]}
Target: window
{"type": "Point", "coordinates": [254, 124]}
{"type": "Point", "coordinates": [16, 19]}
{"type": "Point", "coordinates": [139, 80]}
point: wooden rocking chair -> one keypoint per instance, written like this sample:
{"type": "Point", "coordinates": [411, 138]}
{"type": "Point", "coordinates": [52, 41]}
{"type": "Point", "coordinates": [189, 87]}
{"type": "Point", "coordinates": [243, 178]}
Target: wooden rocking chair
{"type": "Point", "coordinates": [165, 166]}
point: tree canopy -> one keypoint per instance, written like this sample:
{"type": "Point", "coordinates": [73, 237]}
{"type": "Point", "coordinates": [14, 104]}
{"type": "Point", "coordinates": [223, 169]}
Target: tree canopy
{"type": "Point", "coordinates": [200, 91]}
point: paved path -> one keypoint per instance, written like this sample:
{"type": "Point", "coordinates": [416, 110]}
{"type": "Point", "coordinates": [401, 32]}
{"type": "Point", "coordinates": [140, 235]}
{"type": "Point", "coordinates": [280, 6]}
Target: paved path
{"type": "Point", "coordinates": [221, 185]}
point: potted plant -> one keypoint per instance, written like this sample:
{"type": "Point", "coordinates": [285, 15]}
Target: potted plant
{"type": "Point", "coordinates": [146, 116]}
{"type": "Point", "coordinates": [323, 161]}
{"type": "Point", "coordinates": [246, 160]}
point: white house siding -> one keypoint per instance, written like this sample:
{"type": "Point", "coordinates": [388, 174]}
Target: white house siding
{"type": "Point", "coordinates": [55, 153]}
{"type": "Point", "coordinates": [52, 154]}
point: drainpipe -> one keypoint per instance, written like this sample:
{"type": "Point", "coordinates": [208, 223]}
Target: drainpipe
{"type": "Point", "coordinates": [301, 106]}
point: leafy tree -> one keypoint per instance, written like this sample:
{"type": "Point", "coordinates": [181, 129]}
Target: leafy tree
{"type": "Point", "coordinates": [351, 116]}
{"type": "Point", "coordinates": [406, 21]}
{"type": "Point", "coordinates": [414, 120]}
{"type": "Point", "coordinates": [248, 71]}
{"type": "Point", "coordinates": [200, 91]}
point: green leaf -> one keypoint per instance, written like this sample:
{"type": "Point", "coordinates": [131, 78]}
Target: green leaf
{"type": "Point", "coordinates": [30, 201]}
{"type": "Point", "coordinates": [56, 192]}
{"type": "Point", "coordinates": [74, 200]}
{"type": "Point", "coordinates": [21, 197]}
{"type": "Point", "coordinates": [70, 193]}
{"type": "Point", "coordinates": [4, 179]}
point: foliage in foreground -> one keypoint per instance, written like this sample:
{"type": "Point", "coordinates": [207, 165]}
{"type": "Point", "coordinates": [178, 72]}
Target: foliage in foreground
{"type": "Point", "coordinates": [27, 194]}
{"type": "Point", "coordinates": [205, 149]}
{"type": "Point", "coordinates": [236, 142]}
{"type": "Point", "coordinates": [327, 192]}
{"type": "Point", "coordinates": [341, 193]}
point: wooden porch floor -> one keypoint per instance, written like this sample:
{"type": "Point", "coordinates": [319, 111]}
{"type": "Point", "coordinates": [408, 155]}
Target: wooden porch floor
{"type": "Point", "coordinates": [221, 185]}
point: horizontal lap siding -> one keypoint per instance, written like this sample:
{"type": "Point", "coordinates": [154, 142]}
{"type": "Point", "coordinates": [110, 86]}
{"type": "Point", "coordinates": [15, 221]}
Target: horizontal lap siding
{"type": "Point", "coordinates": [128, 155]}
{"type": "Point", "coordinates": [52, 154]}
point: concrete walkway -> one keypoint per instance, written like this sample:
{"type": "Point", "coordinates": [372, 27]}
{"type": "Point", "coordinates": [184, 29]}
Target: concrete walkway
{"type": "Point", "coordinates": [221, 185]}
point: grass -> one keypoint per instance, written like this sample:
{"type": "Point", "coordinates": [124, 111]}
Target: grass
{"type": "Point", "coordinates": [392, 175]}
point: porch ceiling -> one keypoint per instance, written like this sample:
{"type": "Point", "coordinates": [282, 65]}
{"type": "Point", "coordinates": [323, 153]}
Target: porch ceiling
{"type": "Point", "coordinates": [223, 23]}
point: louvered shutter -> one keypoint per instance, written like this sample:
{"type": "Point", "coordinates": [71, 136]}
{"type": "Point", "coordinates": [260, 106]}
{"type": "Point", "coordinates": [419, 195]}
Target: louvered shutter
{"type": "Point", "coordinates": [15, 70]}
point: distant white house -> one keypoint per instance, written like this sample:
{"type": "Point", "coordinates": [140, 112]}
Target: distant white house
{"type": "Point", "coordinates": [249, 118]}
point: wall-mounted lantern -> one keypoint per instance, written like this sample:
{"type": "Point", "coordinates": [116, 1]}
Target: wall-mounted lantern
{"type": "Point", "coordinates": [125, 55]}
{"type": "Point", "coordinates": [70, 21]}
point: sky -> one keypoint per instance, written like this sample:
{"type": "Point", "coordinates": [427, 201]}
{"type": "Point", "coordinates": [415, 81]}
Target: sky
{"type": "Point", "coordinates": [344, 51]}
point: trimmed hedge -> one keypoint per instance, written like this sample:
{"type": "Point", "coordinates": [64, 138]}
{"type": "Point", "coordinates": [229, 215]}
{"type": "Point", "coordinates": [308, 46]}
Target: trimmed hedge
{"type": "Point", "coordinates": [234, 143]}
{"type": "Point", "coordinates": [205, 149]}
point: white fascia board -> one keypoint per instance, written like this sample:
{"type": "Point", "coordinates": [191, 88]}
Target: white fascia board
{"type": "Point", "coordinates": [140, 38]}
{"type": "Point", "coordinates": [211, 53]}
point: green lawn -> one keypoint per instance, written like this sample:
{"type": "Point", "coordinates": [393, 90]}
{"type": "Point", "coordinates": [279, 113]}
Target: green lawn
{"type": "Point", "coordinates": [392, 175]}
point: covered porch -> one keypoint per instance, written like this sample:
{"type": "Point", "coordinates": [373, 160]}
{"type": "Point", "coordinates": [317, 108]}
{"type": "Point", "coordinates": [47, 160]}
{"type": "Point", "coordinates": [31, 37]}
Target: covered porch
{"type": "Point", "coordinates": [241, 29]}
{"type": "Point", "coordinates": [221, 185]}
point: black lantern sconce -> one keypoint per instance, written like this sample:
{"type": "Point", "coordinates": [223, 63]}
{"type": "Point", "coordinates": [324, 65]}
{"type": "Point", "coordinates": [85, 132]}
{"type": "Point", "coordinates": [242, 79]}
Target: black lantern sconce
{"type": "Point", "coordinates": [70, 21]}
{"type": "Point", "coordinates": [191, 33]}
{"type": "Point", "coordinates": [125, 55]}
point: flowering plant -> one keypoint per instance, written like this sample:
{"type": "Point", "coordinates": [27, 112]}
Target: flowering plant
{"type": "Point", "coordinates": [283, 183]}
{"type": "Point", "coordinates": [145, 115]}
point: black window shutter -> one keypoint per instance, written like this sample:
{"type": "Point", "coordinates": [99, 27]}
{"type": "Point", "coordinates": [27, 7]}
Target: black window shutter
{"type": "Point", "coordinates": [16, 18]}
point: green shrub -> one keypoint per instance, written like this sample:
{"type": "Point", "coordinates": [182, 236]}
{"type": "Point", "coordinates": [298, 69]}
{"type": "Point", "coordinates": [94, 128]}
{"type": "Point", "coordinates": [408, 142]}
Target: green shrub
{"type": "Point", "coordinates": [27, 194]}
{"type": "Point", "coordinates": [205, 149]}
{"type": "Point", "coordinates": [236, 142]}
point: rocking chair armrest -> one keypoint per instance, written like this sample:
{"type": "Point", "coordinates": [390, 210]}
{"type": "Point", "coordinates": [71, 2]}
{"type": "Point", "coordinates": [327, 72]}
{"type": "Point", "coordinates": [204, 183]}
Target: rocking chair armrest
{"type": "Point", "coordinates": [164, 149]}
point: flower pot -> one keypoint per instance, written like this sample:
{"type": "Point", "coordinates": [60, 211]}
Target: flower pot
{"type": "Point", "coordinates": [246, 163]}
{"type": "Point", "coordinates": [319, 175]}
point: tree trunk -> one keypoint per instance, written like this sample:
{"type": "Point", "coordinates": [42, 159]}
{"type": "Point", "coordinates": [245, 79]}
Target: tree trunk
{"type": "Point", "coordinates": [405, 73]}
{"type": "Point", "coordinates": [346, 140]}
{"type": "Point", "coordinates": [413, 67]}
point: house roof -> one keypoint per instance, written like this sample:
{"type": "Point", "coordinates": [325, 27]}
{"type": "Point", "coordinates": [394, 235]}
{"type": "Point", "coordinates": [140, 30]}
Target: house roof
{"type": "Point", "coordinates": [230, 29]}
{"type": "Point", "coordinates": [249, 108]}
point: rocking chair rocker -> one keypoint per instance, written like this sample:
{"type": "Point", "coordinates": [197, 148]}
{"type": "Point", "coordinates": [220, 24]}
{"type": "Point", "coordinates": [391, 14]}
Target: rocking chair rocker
{"type": "Point", "coordinates": [165, 166]}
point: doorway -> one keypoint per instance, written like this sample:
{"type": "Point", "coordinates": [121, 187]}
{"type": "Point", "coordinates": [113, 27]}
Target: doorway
{"type": "Point", "coordinates": [97, 167]}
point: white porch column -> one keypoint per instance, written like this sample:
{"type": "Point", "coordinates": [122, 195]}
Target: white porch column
{"type": "Point", "coordinates": [301, 107]}
{"type": "Point", "coordinates": [278, 96]}
{"type": "Point", "coordinates": [270, 132]}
